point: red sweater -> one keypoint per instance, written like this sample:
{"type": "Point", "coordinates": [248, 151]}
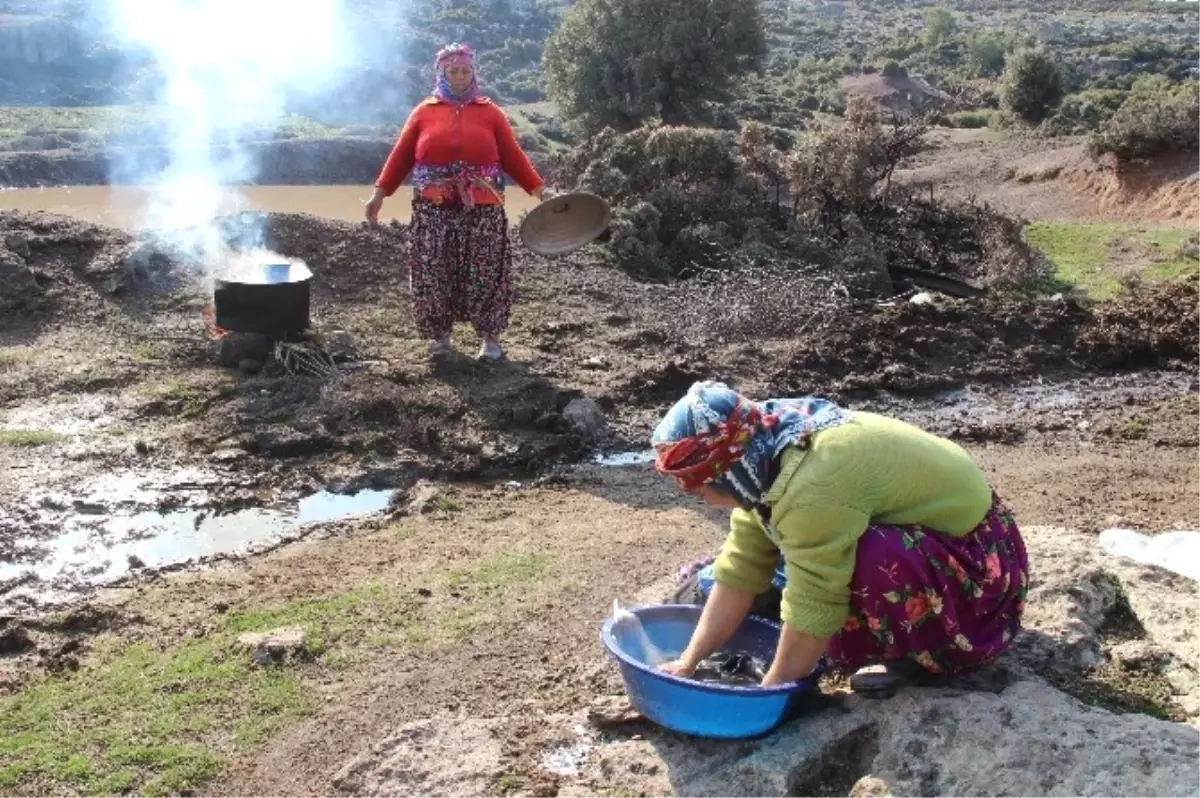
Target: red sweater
{"type": "Point", "coordinates": [438, 133]}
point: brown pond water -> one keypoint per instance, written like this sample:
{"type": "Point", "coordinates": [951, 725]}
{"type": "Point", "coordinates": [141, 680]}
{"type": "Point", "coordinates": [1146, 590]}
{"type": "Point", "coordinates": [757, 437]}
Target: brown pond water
{"type": "Point", "coordinates": [121, 206]}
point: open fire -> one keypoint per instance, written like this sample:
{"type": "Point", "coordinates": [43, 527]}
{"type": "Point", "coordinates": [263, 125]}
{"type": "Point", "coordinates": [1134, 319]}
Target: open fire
{"type": "Point", "coordinates": [209, 314]}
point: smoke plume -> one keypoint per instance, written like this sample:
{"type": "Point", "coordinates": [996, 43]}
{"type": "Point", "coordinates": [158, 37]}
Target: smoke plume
{"type": "Point", "coordinates": [224, 71]}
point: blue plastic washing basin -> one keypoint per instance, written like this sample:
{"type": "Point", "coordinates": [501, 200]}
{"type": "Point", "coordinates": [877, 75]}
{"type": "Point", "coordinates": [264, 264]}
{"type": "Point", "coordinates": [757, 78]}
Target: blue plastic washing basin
{"type": "Point", "coordinates": [700, 709]}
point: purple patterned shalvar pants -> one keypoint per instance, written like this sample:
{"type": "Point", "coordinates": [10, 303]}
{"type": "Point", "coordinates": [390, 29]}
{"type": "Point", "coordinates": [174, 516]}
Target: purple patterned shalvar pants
{"type": "Point", "coordinates": [460, 268]}
{"type": "Point", "coordinates": [950, 604]}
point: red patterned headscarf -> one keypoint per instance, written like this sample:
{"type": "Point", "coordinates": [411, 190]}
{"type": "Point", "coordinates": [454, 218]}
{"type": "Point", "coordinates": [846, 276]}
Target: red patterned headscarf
{"type": "Point", "coordinates": [700, 459]}
{"type": "Point", "coordinates": [716, 436]}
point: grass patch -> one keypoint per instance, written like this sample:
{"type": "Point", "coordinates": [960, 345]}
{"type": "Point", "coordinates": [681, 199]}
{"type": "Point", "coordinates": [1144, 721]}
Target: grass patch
{"type": "Point", "coordinates": [484, 586]}
{"type": "Point", "coordinates": [139, 719]}
{"type": "Point", "coordinates": [29, 437]}
{"type": "Point", "coordinates": [1081, 254]}
{"type": "Point", "coordinates": [157, 722]}
{"type": "Point", "coordinates": [449, 504]}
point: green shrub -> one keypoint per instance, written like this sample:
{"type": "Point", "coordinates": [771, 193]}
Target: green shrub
{"type": "Point", "coordinates": [1157, 117]}
{"type": "Point", "coordinates": [985, 56]}
{"type": "Point", "coordinates": [1032, 85]}
{"type": "Point", "coordinates": [1083, 112]}
{"type": "Point", "coordinates": [977, 118]}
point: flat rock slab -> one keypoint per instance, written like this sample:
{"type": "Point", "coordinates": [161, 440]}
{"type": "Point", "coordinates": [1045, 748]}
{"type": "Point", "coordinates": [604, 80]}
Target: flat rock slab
{"type": "Point", "coordinates": [1005, 731]}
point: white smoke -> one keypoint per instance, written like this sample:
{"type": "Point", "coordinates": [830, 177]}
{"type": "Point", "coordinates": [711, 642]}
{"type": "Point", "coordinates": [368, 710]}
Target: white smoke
{"type": "Point", "coordinates": [227, 68]}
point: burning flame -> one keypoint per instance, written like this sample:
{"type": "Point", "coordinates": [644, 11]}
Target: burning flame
{"type": "Point", "coordinates": [209, 314]}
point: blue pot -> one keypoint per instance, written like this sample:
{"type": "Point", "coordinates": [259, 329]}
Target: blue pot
{"type": "Point", "coordinates": [700, 709]}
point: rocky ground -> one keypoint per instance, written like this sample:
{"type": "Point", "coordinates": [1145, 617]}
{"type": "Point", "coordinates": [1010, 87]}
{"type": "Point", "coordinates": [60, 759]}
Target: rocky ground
{"type": "Point", "coordinates": [463, 618]}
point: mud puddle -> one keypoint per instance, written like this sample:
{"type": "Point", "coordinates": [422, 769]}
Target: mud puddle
{"type": "Point", "coordinates": [61, 546]}
{"type": "Point", "coordinates": [622, 459]}
{"type": "Point", "coordinates": [1029, 409]}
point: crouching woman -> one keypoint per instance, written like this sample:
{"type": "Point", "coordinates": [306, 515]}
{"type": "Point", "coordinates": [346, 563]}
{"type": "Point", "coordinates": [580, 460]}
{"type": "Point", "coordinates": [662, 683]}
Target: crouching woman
{"type": "Point", "coordinates": [893, 553]}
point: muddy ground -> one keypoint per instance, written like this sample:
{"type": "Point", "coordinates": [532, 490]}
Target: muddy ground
{"type": "Point", "coordinates": [115, 402]}
{"type": "Point", "coordinates": [110, 371]}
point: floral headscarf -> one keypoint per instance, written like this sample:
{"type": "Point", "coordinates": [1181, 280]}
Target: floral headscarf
{"type": "Point", "coordinates": [714, 435]}
{"type": "Point", "coordinates": [452, 55]}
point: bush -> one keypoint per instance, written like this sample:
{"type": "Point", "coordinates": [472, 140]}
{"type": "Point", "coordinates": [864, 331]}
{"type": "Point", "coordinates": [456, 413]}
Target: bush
{"type": "Point", "coordinates": [970, 119]}
{"type": "Point", "coordinates": [694, 201]}
{"type": "Point", "coordinates": [940, 27]}
{"type": "Point", "coordinates": [1083, 112]}
{"type": "Point", "coordinates": [1032, 85]}
{"type": "Point", "coordinates": [985, 56]}
{"type": "Point", "coordinates": [1158, 117]}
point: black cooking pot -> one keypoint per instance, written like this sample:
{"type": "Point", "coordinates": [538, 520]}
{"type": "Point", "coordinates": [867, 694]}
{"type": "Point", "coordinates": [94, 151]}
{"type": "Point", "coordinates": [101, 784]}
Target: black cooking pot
{"type": "Point", "coordinates": [270, 299]}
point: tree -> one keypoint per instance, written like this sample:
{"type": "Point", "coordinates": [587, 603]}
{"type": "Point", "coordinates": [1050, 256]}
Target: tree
{"type": "Point", "coordinates": [619, 62]}
{"type": "Point", "coordinates": [940, 27]}
{"type": "Point", "coordinates": [985, 56]}
{"type": "Point", "coordinates": [893, 69]}
{"type": "Point", "coordinates": [1032, 85]}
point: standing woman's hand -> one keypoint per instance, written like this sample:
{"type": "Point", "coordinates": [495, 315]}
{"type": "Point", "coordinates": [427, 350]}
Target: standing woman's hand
{"type": "Point", "coordinates": [374, 205]}
{"type": "Point", "coordinates": [539, 193]}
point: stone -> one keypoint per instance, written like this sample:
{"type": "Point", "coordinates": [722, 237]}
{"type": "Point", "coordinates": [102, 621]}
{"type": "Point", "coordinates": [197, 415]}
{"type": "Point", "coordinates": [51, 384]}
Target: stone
{"type": "Point", "coordinates": [870, 787]}
{"type": "Point", "coordinates": [277, 646]}
{"type": "Point", "coordinates": [341, 346]}
{"type": "Point", "coordinates": [237, 347]}
{"type": "Point", "coordinates": [18, 244]}
{"type": "Point", "coordinates": [1011, 733]}
{"type": "Point", "coordinates": [585, 417]}
{"type": "Point", "coordinates": [1137, 652]}
{"type": "Point", "coordinates": [423, 498]}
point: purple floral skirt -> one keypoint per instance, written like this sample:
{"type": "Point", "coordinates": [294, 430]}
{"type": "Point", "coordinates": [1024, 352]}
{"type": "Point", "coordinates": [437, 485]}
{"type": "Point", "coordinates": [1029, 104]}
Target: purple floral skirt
{"type": "Point", "coordinates": [951, 604]}
{"type": "Point", "coordinates": [460, 268]}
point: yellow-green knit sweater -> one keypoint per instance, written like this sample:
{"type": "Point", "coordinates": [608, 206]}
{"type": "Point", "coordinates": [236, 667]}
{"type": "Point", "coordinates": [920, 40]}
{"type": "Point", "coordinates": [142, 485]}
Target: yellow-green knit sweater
{"type": "Point", "coordinates": [870, 469]}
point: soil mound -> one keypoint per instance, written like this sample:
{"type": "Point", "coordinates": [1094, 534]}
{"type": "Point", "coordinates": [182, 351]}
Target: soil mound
{"type": "Point", "coordinates": [581, 329]}
{"type": "Point", "coordinates": [920, 347]}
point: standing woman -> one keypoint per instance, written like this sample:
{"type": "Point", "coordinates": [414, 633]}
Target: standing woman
{"type": "Point", "coordinates": [458, 145]}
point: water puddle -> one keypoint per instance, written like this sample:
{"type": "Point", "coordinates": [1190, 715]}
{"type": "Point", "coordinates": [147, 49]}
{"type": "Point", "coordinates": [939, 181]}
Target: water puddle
{"type": "Point", "coordinates": [67, 416]}
{"type": "Point", "coordinates": [1069, 400]}
{"type": "Point", "coordinates": [566, 760]}
{"type": "Point", "coordinates": [94, 548]}
{"type": "Point", "coordinates": [619, 459]}
{"type": "Point", "coordinates": [571, 758]}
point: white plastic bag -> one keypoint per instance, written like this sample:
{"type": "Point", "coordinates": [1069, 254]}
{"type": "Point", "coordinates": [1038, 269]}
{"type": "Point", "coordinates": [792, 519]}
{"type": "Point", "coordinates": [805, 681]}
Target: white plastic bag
{"type": "Point", "coordinates": [1178, 552]}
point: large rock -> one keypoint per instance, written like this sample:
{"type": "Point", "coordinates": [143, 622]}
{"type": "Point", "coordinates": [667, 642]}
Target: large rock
{"type": "Point", "coordinates": [1029, 740]}
{"type": "Point", "coordinates": [585, 417]}
{"type": "Point", "coordinates": [1004, 732]}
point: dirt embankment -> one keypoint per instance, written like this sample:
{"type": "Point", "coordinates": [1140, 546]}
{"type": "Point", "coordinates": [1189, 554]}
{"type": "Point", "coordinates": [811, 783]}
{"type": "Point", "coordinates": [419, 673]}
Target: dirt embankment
{"type": "Point", "coordinates": [286, 162]}
{"type": "Point", "coordinates": [1055, 179]}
